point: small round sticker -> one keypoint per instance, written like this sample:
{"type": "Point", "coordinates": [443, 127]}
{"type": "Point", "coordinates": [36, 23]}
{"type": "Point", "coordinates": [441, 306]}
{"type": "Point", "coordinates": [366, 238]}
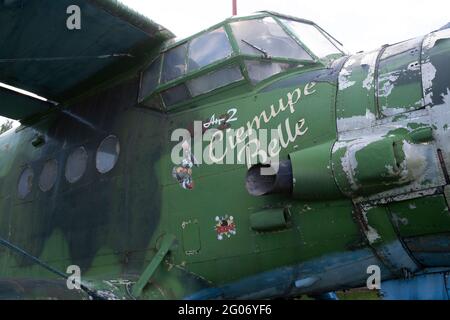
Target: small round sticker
{"type": "Point", "coordinates": [225, 227]}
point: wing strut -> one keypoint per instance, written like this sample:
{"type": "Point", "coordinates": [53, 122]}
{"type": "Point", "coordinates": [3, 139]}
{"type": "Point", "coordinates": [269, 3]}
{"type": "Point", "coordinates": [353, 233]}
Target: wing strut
{"type": "Point", "coordinates": [166, 245]}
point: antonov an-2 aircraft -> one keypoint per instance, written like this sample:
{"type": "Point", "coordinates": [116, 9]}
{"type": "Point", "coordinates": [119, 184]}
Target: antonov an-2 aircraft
{"type": "Point", "coordinates": [354, 191]}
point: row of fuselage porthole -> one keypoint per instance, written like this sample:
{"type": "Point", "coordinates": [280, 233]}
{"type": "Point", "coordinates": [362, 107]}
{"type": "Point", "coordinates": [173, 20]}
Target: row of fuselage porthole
{"type": "Point", "coordinates": [76, 165]}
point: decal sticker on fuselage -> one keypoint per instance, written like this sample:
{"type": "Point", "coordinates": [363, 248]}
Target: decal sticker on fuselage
{"type": "Point", "coordinates": [183, 173]}
{"type": "Point", "coordinates": [225, 227]}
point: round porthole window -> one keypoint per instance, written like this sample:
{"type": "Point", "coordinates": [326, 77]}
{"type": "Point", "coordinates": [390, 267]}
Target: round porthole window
{"type": "Point", "coordinates": [48, 175]}
{"type": "Point", "coordinates": [107, 154]}
{"type": "Point", "coordinates": [25, 183]}
{"type": "Point", "coordinates": [76, 164]}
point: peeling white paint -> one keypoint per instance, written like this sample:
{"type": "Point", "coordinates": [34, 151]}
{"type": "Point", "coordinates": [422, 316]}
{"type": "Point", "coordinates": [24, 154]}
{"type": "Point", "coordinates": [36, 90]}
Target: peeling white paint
{"type": "Point", "coordinates": [392, 111]}
{"type": "Point", "coordinates": [386, 83]}
{"type": "Point", "coordinates": [371, 233]}
{"type": "Point", "coordinates": [345, 74]}
{"type": "Point", "coordinates": [356, 122]}
{"type": "Point", "coordinates": [428, 75]}
{"type": "Point", "coordinates": [440, 119]}
{"type": "Point", "coordinates": [348, 161]}
{"type": "Point", "coordinates": [415, 163]}
{"type": "Point", "coordinates": [370, 60]}
{"type": "Point", "coordinates": [421, 169]}
{"type": "Point", "coordinates": [344, 81]}
{"type": "Point", "coordinates": [434, 37]}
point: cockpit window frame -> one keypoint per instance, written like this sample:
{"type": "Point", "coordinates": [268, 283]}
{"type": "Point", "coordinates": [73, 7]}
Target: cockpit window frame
{"type": "Point", "coordinates": [236, 58]}
{"type": "Point", "coordinates": [283, 28]}
{"type": "Point", "coordinates": [295, 36]}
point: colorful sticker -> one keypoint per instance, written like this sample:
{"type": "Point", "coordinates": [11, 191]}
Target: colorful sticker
{"type": "Point", "coordinates": [225, 227]}
{"type": "Point", "coordinates": [183, 173]}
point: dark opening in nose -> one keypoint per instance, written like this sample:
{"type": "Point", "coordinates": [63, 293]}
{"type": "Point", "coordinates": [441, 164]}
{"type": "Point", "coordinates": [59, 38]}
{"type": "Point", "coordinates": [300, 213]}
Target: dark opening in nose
{"type": "Point", "coordinates": [263, 179]}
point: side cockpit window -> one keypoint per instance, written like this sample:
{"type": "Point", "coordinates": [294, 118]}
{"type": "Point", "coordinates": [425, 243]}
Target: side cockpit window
{"type": "Point", "coordinates": [261, 70]}
{"type": "Point", "coordinates": [240, 51]}
{"type": "Point", "coordinates": [202, 51]}
{"type": "Point", "coordinates": [208, 48]}
{"type": "Point", "coordinates": [266, 38]}
{"type": "Point", "coordinates": [215, 80]}
{"type": "Point", "coordinates": [174, 65]}
{"type": "Point", "coordinates": [150, 79]}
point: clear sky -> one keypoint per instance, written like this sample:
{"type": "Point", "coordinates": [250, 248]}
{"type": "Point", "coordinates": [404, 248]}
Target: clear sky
{"type": "Point", "coordinates": [359, 25]}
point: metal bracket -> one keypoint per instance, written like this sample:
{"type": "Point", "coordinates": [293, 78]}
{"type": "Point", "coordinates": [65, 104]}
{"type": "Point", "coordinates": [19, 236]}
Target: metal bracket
{"type": "Point", "coordinates": [166, 244]}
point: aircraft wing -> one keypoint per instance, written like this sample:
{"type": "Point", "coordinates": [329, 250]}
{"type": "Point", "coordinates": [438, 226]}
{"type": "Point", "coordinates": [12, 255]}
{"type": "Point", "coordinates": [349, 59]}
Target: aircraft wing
{"type": "Point", "coordinates": [40, 54]}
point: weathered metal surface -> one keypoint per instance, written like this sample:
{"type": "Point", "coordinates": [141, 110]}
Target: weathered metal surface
{"type": "Point", "coordinates": [368, 174]}
{"type": "Point", "coordinates": [434, 286]}
{"type": "Point", "coordinates": [400, 79]}
{"type": "Point", "coordinates": [430, 250]}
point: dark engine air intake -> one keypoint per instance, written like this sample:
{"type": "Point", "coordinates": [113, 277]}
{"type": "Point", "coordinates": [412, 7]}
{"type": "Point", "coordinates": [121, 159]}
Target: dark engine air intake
{"type": "Point", "coordinates": [260, 182]}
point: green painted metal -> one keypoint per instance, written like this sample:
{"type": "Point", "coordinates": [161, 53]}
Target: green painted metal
{"type": "Point", "coordinates": [421, 135]}
{"type": "Point", "coordinates": [367, 176]}
{"type": "Point", "coordinates": [270, 220]}
{"type": "Point", "coordinates": [383, 160]}
{"type": "Point", "coordinates": [356, 100]}
{"type": "Point", "coordinates": [429, 215]}
{"type": "Point", "coordinates": [312, 173]}
{"type": "Point", "coordinates": [400, 64]}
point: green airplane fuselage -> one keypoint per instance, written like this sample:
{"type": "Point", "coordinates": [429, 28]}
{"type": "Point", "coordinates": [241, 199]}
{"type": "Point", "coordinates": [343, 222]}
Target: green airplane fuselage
{"type": "Point", "coordinates": [366, 143]}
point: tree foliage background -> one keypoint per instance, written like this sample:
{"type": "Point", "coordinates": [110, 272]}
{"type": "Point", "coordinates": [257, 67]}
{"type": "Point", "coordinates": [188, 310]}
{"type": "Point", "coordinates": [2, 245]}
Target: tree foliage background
{"type": "Point", "coordinates": [6, 126]}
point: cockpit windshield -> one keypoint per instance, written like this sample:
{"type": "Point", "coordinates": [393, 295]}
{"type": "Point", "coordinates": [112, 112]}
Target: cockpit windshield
{"type": "Point", "coordinates": [238, 51]}
{"type": "Point", "coordinates": [265, 37]}
{"type": "Point", "coordinates": [312, 38]}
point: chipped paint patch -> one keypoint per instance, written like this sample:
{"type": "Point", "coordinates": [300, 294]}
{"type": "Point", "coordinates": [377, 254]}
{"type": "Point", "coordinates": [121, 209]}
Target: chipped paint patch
{"type": "Point", "coordinates": [371, 233]}
{"type": "Point", "coordinates": [428, 75]}
{"type": "Point", "coordinates": [434, 37]}
{"type": "Point", "coordinates": [390, 111]}
{"type": "Point", "coordinates": [415, 162]}
{"type": "Point", "coordinates": [387, 83]}
{"type": "Point", "coordinates": [356, 122]}
{"type": "Point", "coordinates": [345, 74]}
{"type": "Point", "coordinates": [370, 60]}
{"type": "Point", "coordinates": [344, 81]}
{"type": "Point", "coordinates": [349, 163]}
{"type": "Point", "coordinates": [420, 173]}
